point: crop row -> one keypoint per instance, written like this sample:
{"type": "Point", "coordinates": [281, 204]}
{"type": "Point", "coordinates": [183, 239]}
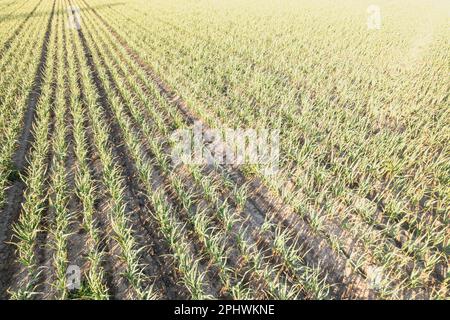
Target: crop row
{"type": "Point", "coordinates": [320, 173]}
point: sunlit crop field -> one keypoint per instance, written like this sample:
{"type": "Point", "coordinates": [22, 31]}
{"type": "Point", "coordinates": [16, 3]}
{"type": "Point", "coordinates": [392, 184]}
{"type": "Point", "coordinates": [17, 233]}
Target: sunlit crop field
{"type": "Point", "coordinates": [93, 205]}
